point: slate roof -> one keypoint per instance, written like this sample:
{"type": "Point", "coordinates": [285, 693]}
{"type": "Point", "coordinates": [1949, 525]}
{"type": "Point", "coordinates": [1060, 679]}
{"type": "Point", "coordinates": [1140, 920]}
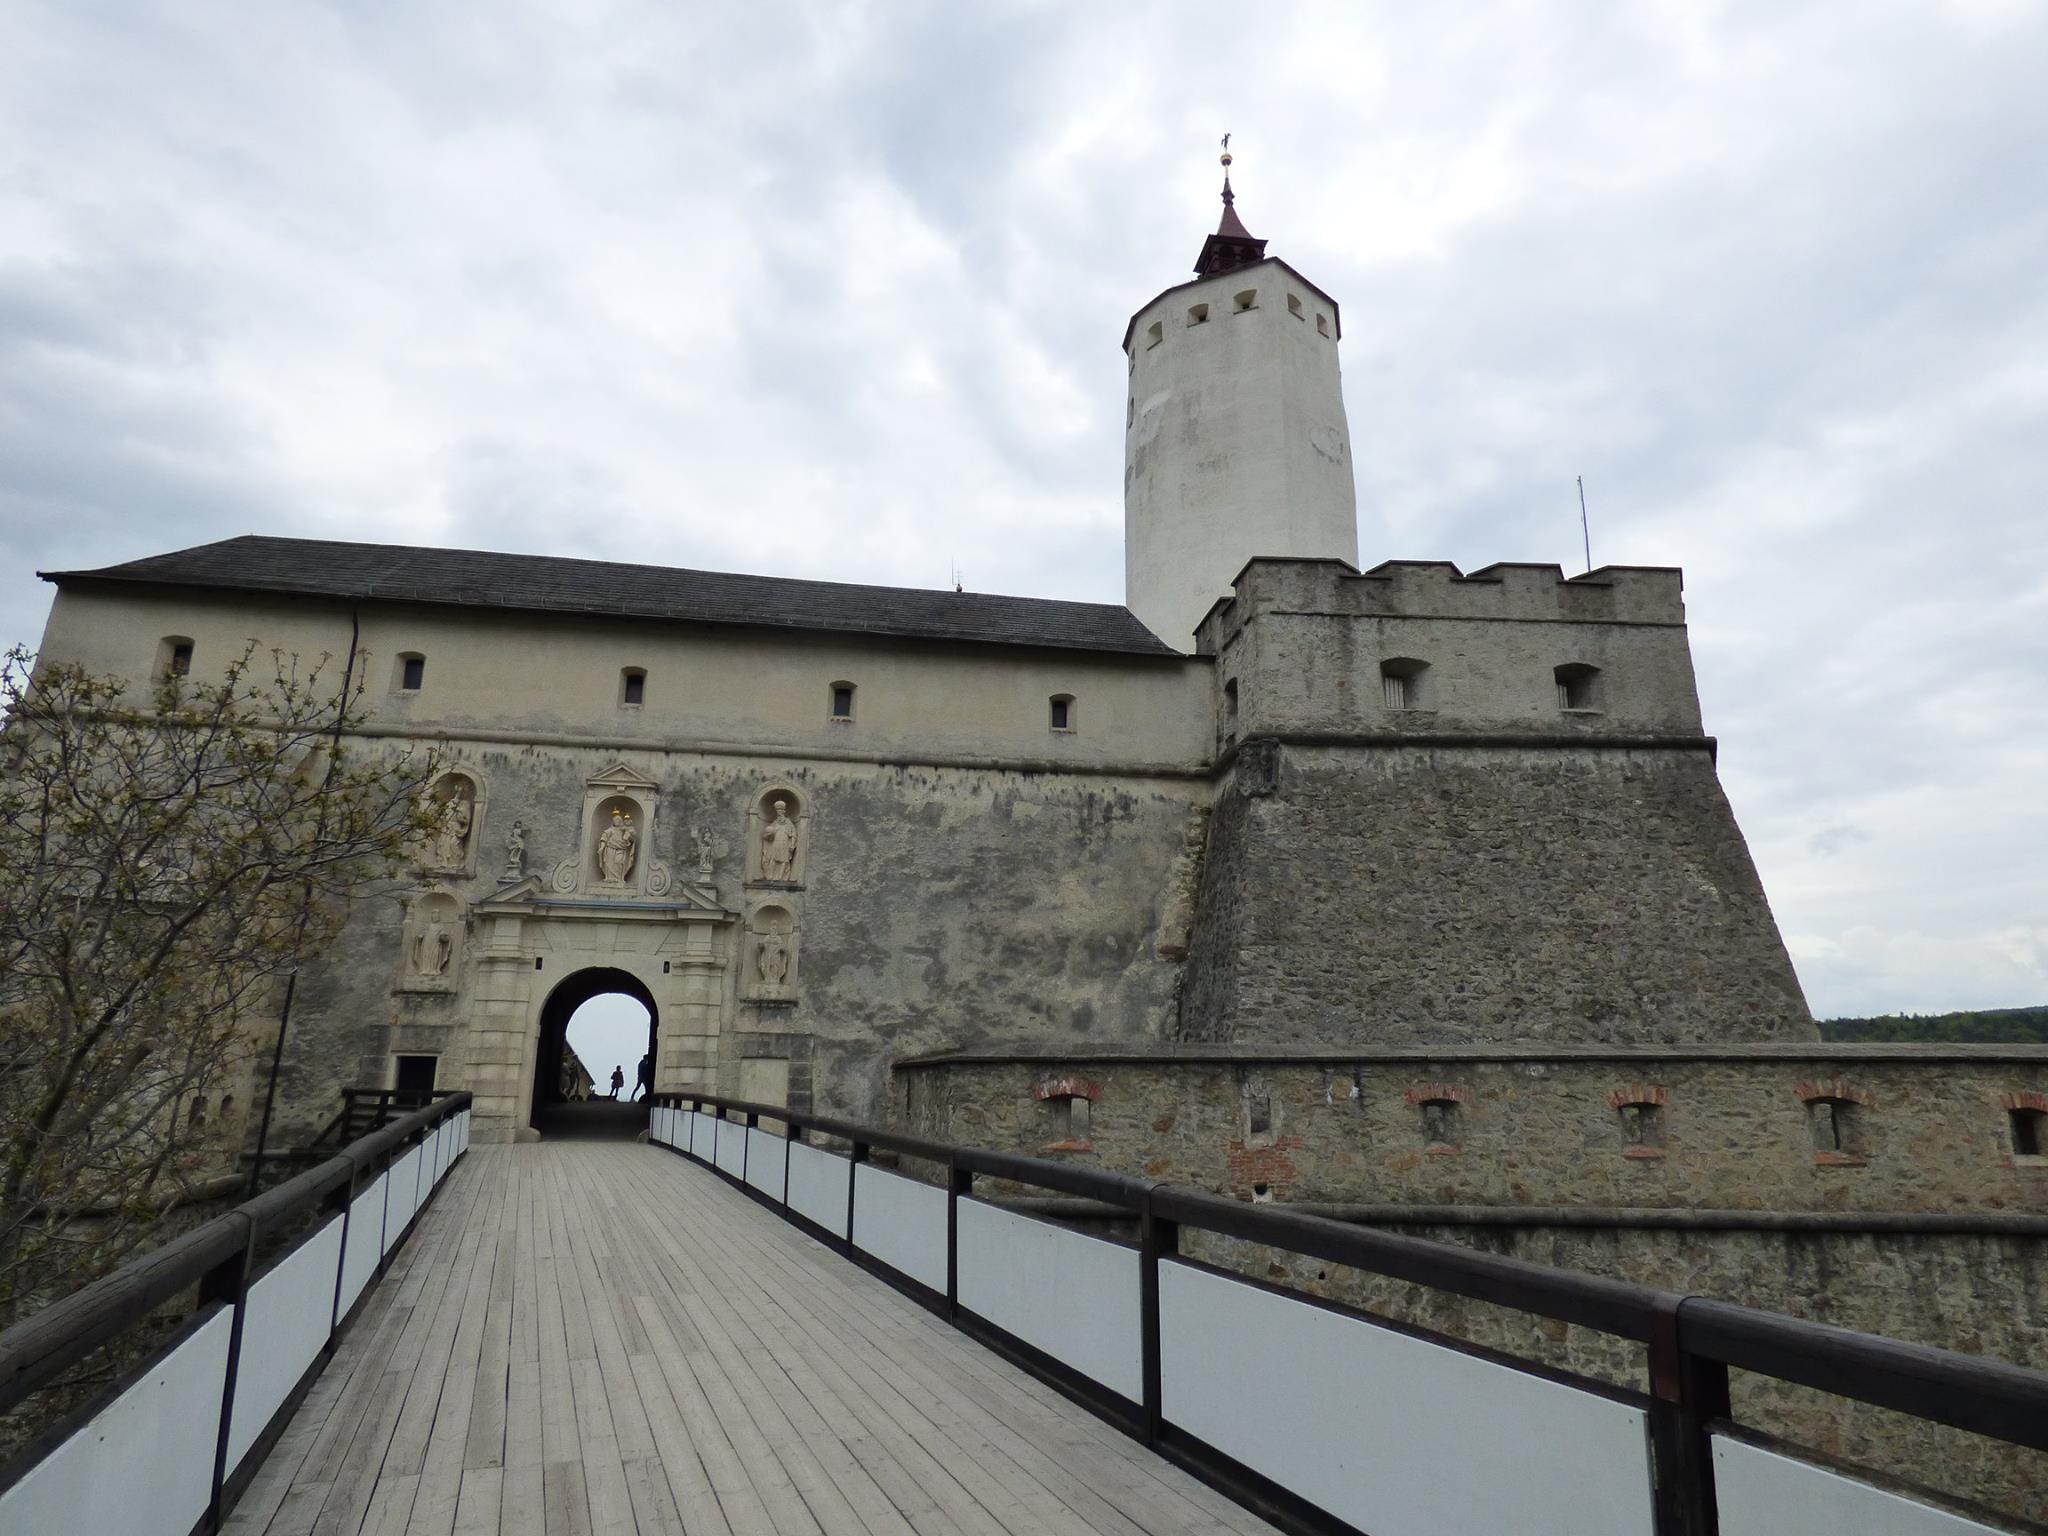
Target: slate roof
{"type": "Point", "coordinates": [550, 584]}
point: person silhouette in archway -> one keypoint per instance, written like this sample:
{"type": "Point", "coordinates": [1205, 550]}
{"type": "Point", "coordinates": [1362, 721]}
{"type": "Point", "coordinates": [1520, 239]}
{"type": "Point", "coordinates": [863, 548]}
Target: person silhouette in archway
{"type": "Point", "coordinates": [618, 1082]}
{"type": "Point", "coordinates": [644, 1076]}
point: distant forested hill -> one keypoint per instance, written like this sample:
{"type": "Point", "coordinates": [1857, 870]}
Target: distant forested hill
{"type": "Point", "coordinates": [1991, 1026]}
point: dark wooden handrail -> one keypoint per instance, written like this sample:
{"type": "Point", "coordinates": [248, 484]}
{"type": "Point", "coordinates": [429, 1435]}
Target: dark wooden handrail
{"type": "Point", "coordinates": [1687, 1335]}
{"type": "Point", "coordinates": [35, 1351]}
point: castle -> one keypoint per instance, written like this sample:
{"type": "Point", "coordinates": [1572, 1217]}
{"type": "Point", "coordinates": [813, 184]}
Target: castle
{"type": "Point", "coordinates": [1400, 891]}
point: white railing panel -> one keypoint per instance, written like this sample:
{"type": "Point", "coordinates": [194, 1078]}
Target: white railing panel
{"type": "Point", "coordinates": [365, 1241]}
{"type": "Point", "coordinates": [901, 1222]}
{"type": "Point", "coordinates": [1074, 1297]}
{"type": "Point", "coordinates": [439, 1142]}
{"type": "Point", "coordinates": [402, 1198]}
{"type": "Point", "coordinates": [703, 1128]}
{"type": "Point", "coordinates": [1396, 1435]}
{"type": "Point", "coordinates": [818, 1183]}
{"type": "Point", "coordinates": [462, 1141]}
{"type": "Point", "coordinates": [290, 1311]}
{"type": "Point", "coordinates": [1762, 1493]}
{"type": "Point", "coordinates": [765, 1154]}
{"type": "Point", "coordinates": [144, 1463]}
{"type": "Point", "coordinates": [732, 1147]}
{"type": "Point", "coordinates": [657, 1125]}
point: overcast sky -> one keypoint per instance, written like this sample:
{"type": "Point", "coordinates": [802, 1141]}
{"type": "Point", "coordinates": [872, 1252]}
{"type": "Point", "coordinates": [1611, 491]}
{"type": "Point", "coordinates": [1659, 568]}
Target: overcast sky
{"type": "Point", "coordinates": [836, 291]}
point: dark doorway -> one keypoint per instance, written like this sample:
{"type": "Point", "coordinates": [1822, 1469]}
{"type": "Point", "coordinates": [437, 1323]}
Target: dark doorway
{"type": "Point", "coordinates": [415, 1082]}
{"type": "Point", "coordinates": [558, 1110]}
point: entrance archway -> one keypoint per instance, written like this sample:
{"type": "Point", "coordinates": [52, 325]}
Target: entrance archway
{"type": "Point", "coordinates": [553, 1113]}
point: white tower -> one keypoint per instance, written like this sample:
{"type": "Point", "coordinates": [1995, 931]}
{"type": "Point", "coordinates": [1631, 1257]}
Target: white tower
{"type": "Point", "coordinates": [1235, 443]}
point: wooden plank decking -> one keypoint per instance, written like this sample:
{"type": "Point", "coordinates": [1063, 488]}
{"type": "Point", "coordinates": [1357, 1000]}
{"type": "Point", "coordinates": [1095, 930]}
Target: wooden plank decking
{"type": "Point", "coordinates": [600, 1337]}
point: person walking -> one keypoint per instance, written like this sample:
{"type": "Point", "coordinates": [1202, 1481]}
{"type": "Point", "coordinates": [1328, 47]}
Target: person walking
{"type": "Point", "coordinates": [644, 1084]}
{"type": "Point", "coordinates": [618, 1082]}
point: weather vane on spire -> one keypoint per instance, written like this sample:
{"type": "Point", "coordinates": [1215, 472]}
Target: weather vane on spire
{"type": "Point", "coordinates": [1226, 170]}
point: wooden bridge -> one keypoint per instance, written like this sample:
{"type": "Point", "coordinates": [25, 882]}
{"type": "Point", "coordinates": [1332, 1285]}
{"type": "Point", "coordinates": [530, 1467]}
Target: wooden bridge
{"type": "Point", "coordinates": [747, 1324]}
{"type": "Point", "coordinates": [597, 1336]}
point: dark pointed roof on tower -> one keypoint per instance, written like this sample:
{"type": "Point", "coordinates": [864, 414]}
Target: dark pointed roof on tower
{"type": "Point", "coordinates": [1232, 246]}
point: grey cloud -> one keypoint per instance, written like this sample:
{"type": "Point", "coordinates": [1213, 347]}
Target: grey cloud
{"type": "Point", "coordinates": [836, 291]}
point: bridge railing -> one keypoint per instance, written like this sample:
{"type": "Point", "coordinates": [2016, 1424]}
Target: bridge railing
{"type": "Point", "coordinates": [1325, 1418]}
{"type": "Point", "coordinates": [171, 1446]}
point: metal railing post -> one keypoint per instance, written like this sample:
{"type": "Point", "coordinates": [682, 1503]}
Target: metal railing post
{"type": "Point", "coordinates": [959, 1181]}
{"type": "Point", "coordinates": [1157, 1239]}
{"type": "Point", "coordinates": [228, 1282]}
{"type": "Point", "coordinates": [857, 1154]}
{"type": "Point", "coordinates": [747, 1142]}
{"type": "Point", "coordinates": [1687, 1394]}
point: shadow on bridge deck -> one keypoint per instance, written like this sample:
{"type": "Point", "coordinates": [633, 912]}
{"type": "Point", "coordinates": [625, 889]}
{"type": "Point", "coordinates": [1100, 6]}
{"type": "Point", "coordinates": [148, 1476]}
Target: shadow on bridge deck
{"type": "Point", "coordinates": [602, 1337]}
{"type": "Point", "coordinates": [592, 1120]}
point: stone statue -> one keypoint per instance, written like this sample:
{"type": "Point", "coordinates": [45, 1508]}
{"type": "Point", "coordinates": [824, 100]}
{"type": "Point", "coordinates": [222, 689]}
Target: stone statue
{"type": "Point", "coordinates": [433, 947]}
{"type": "Point", "coordinates": [773, 959]}
{"type": "Point", "coordinates": [515, 851]}
{"type": "Point", "coordinates": [615, 848]}
{"type": "Point", "coordinates": [778, 845]}
{"type": "Point", "coordinates": [708, 849]}
{"type": "Point", "coordinates": [450, 846]}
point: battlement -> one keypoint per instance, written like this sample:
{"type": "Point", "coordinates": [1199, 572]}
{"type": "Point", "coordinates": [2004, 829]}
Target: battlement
{"type": "Point", "coordinates": [1419, 647]}
{"type": "Point", "coordinates": [1437, 589]}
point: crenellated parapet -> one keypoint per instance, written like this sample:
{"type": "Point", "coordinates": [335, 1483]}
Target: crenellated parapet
{"type": "Point", "coordinates": [1420, 647]}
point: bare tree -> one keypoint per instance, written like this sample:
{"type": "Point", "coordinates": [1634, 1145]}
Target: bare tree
{"type": "Point", "coordinates": [164, 866]}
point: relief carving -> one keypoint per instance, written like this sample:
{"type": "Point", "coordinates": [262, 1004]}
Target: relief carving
{"type": "Point", "coordinates": [515, 853]}
{"type": "Point", "coordinates": [431, 946]}
{"type": "Point", "coordinates": [768, 967]}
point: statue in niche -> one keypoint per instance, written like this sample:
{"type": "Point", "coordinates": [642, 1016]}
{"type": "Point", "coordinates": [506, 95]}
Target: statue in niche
{"type": "Point", "coordinates": [709, 850]}
{"type": "Point", "coordinates": [772, 959]}
{"type": "Point", "coordinates": [449, 845]}
{"type": "Point", "coordinates": [778, 845]}
{"type": "Point", "coordinates": [515, 851]}
{"type": "Point", "coordinates": [615, 848]}
{"type": "Point", "coordinates": [433, 946]}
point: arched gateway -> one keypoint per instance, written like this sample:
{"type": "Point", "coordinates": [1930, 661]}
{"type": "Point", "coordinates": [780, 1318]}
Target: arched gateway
{"type": "Point", "coordinates": [560, 1006]}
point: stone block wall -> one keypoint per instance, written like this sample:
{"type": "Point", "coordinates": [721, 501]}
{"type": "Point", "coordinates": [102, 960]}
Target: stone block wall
{"type": "Point", "coordinates": [1923, 1130]}
{"type": "Point", "coordinates": [1408, 893]}
{"type": "Point", "coordinates": [1929, 1227]}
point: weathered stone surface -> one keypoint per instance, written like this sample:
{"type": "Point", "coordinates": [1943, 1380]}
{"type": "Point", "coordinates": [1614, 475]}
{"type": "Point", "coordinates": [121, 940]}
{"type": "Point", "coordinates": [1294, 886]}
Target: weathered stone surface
{"type": "Point", "coordinates": [1406, 894]}
{"type": "Point", "coordinates": [1533, 1127]}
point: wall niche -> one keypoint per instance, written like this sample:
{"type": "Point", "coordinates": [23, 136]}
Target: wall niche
{"type": "Point", "coordinates": [778, 837]}
{"type": "Point", "coordinates": [768, 968]}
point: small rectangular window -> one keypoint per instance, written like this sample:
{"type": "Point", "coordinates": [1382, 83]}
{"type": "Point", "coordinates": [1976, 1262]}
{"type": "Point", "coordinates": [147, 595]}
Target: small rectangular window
{"type": "Point", "coordinates": [1198, 314]}
{"type": "Point", "coordinates": [633, 688]}
{"type": "Point", "coordinates": [1155, 334]}
{"type": "Point", "coordinates": [842, 701]}
{"type": "Point", "coordinates": [1294, 307]}
{"type": "Point", "coordinates": [1396, 688]}
{"type": "Point", "coordinates": [2027, 1127]}
{"type": "Point", "coordinates": [1062, 714]}
{"type": "Point", "coordinates": [1246, 300]}
{"type": "Point", "coordinates": [414, 675]}
{"type": "Point", "coordinates": [181, 658]}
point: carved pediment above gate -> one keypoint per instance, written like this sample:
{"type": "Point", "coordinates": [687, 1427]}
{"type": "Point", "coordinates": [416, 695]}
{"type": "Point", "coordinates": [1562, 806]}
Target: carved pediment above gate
{"type": "Point", "coordinates": [539, 894]}
{"type": "Point", "coordinates": [624, 777]}
{"type": "Point", "coordinates": [615, 854]}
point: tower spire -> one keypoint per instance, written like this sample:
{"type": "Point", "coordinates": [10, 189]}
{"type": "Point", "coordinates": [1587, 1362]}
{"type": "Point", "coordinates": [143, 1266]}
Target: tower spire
{"type": "Point", "coordinates": [1232, 246]}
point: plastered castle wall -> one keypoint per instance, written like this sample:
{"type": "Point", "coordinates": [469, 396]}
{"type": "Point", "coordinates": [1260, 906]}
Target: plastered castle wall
{"type": "Point", "coordinates": [1234, 404]}
{"type": "Point", "coordinates": [937, 904]}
